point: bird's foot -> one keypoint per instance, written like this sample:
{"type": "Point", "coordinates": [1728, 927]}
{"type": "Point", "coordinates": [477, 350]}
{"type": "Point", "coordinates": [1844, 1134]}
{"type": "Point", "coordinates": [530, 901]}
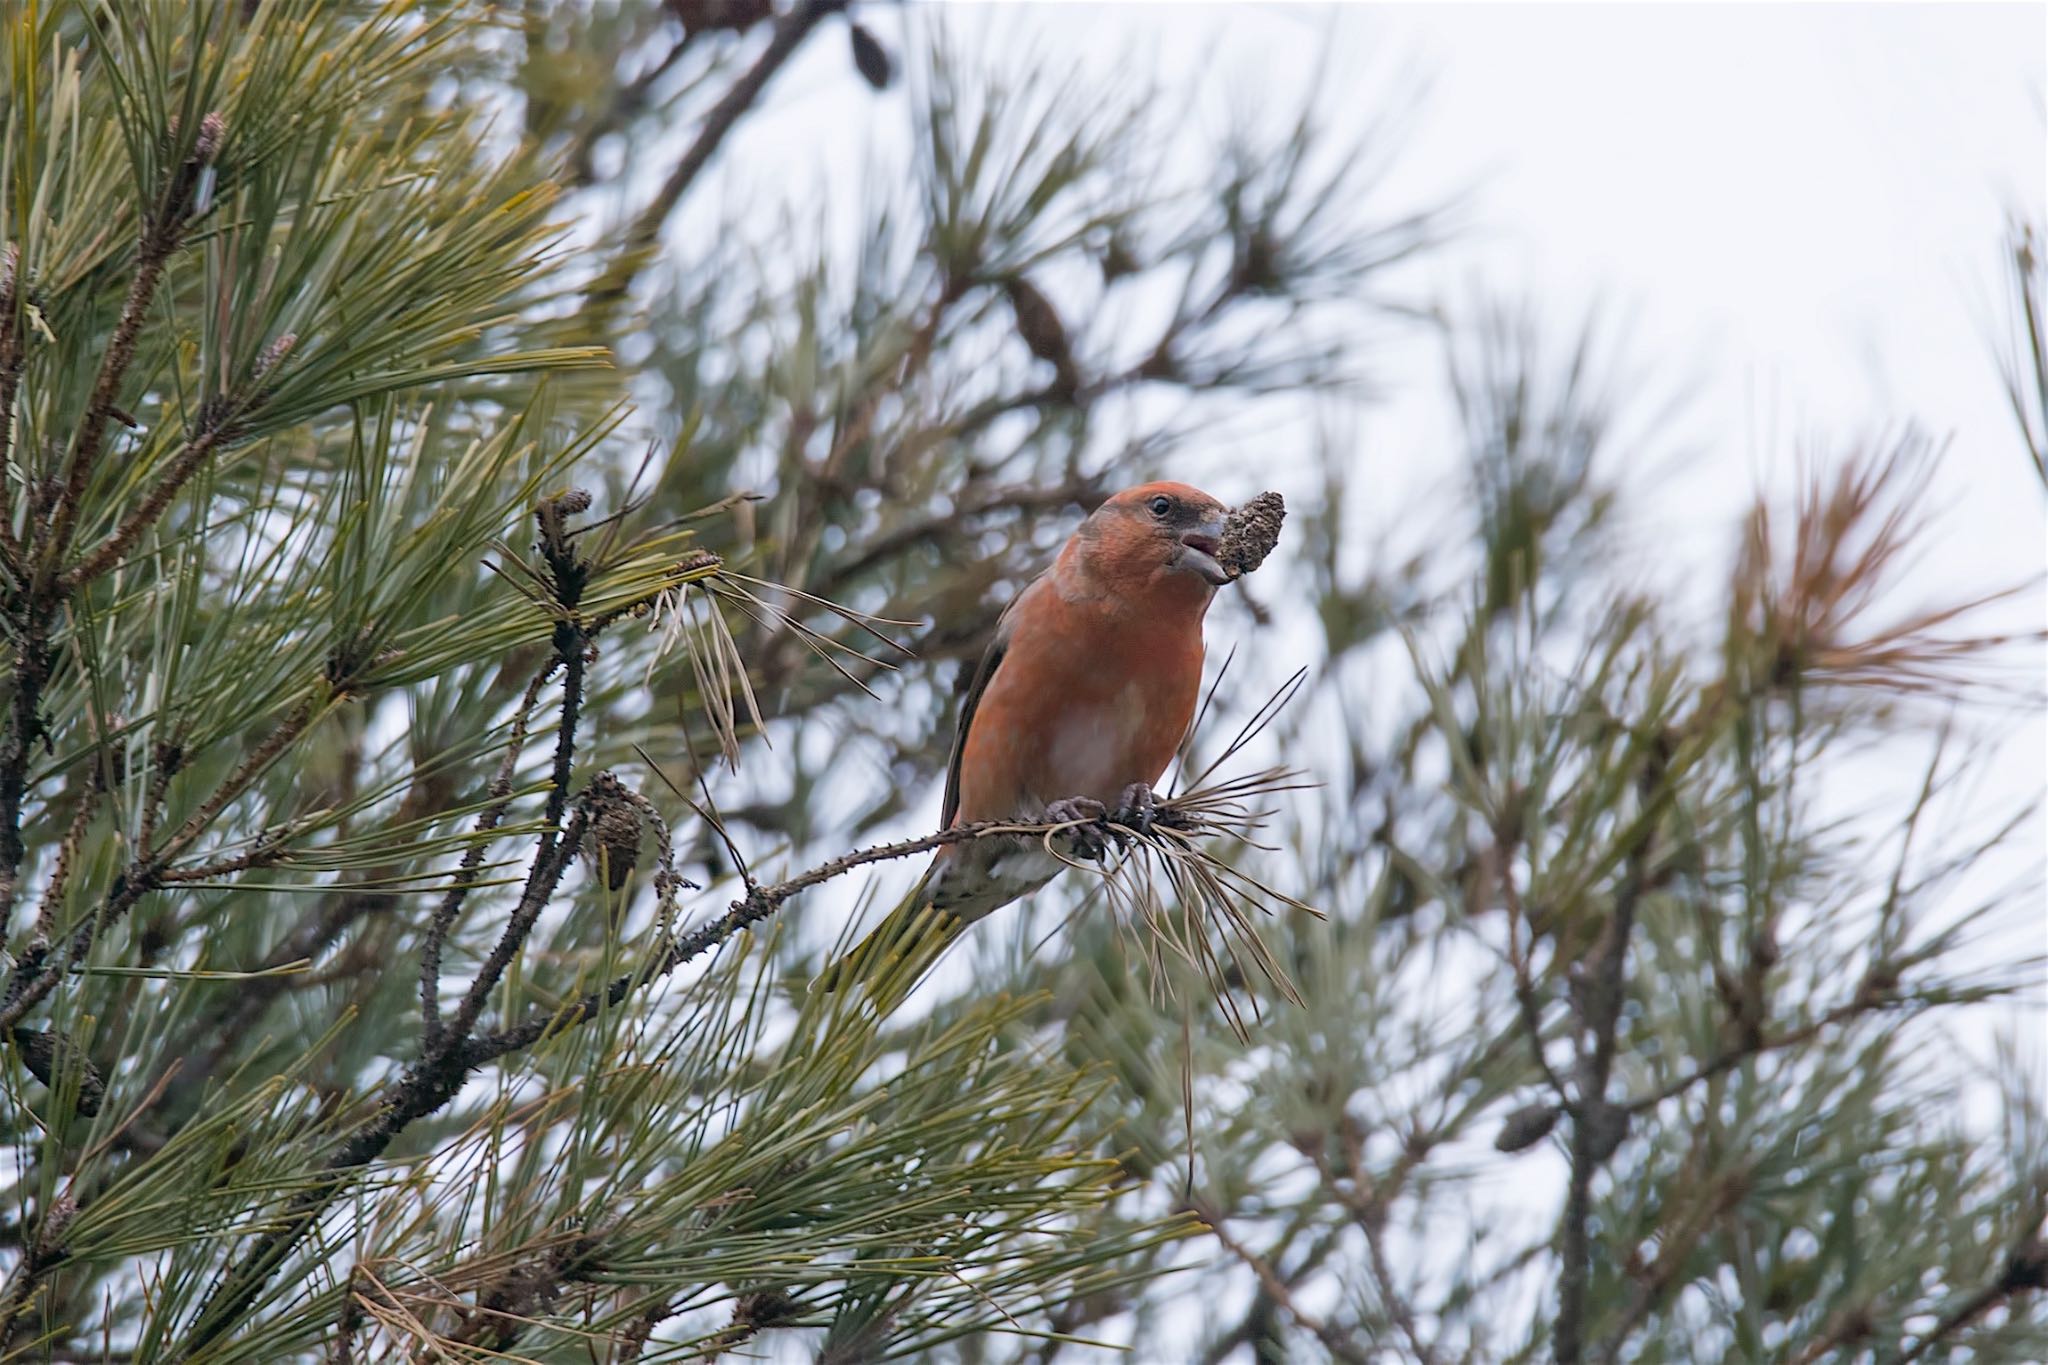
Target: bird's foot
{"type": "Point", "coordinates": [1137, 808]}
{"type": "Point", "coordinates": [1073, 810]}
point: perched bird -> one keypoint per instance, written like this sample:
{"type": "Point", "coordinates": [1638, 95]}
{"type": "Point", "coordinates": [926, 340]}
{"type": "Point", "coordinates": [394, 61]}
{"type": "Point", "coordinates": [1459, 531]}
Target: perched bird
{"type": "Point", "coordinates": [1080, 702]}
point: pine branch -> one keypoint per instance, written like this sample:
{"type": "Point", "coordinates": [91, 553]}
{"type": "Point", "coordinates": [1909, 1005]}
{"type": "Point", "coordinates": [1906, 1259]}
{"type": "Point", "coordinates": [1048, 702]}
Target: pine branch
{"type": "Point", "coordinates": [758, 904]}
{"type": "Point", "coordinates": [1675, 1246]}
{"type": "Point", "coordinates": [1497, 861]}
{"type": "Point", "coordinates": [1368, 1202]}
{"type": "Point", "coordinates": [1877, 991]}
{"type": "Point", "coordinates": [506, 1308]}
{"type": "Point", "coordinates": [33, 662]}
{"type": "Point", "coordinates": [40, 1255]}
{"type": "Point", "coordinates": [557, 846]}
{"type": "Point", "coordinates": [34, 976]}
{"type": "Point", "coordinates": [431, 1082]}
{"type": "Point", "coordinates": [252, 766]}
{"type": "Point", "coordinates": [558, 849]}
{"type": "Point", "coordinates": [626, 102]}
{"type": "Point", "coordinates": [212, 432]}
{"type": "Point", "coordinates": [1598, 1125]}
{"type": "Point", "coordinates": [67, 858]}
{"type": "Point", "coordinates": [472, 859]}
{"type": "Point", "coordinates": [163, 229]}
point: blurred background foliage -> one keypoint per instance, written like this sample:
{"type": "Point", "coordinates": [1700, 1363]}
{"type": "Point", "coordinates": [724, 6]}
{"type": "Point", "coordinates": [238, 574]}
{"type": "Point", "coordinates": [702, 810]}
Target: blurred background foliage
{"type": "Point", "coordinates": [374, 375]}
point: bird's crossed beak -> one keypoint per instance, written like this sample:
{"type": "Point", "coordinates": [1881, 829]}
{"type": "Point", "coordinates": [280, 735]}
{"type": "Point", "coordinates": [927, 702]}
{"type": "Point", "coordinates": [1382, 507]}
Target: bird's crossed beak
{"type": "Point", "coordinates": [1198, 549]}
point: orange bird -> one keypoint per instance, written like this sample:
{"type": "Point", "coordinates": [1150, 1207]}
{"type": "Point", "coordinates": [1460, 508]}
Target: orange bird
{"type": "Point", "coordinates": [1081, 701]}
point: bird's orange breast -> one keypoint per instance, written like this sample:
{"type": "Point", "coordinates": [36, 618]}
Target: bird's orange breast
{"type": "Point", "coordinates": [1086, 701]}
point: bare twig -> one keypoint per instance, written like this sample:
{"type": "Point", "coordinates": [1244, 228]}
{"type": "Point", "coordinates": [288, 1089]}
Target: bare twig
{"type": "Point", "coordinates": [1843, 1328]}
{"type": "Point", "coordinates": [1496, 860]}
{"type": "Point", "coordinates": [931, 527]}
{"type": "Point", "coordinates": [39, 1254]}
{"type": "Point", "coordinates": [625, 103]}
{"type": "Point", "coordinates": [245, 773]}
{"type": "Point", "coordinates": [67, 858]}
{"type": "Point", "coordinates": [1675, 1245]}
{"type": "Point", "coordinates": [1875, 992]}
{"type": "Point", "coordinates": [32, 666]}
{"type": "Point", "coordinates": [549, 865]}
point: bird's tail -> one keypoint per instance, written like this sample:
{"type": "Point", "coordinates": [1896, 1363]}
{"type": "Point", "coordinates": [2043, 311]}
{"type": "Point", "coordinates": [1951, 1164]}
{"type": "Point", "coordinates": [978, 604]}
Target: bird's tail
{"type": "Point", "coordinates": [898, 952]}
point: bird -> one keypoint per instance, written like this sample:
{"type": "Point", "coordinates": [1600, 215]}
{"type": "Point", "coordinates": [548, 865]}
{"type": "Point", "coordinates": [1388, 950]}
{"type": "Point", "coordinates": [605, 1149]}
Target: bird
{"type": "Point", "coordinates": [1076, 708]}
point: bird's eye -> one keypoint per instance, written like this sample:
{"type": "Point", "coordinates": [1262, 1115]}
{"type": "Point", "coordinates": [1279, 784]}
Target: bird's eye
{"type": "Point", "coordinates": [1161, 505]}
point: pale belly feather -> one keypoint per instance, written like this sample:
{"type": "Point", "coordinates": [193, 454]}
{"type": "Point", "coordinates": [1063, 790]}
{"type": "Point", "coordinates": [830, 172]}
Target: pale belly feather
{"type": "Point", "coordinates": [1094, 749]}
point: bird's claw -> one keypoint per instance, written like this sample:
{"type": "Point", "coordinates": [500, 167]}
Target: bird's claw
{"type": "Point", "coordinates": [1081, 812]}
{"type": "Point", "coordinates": [1075, 808]}
{"type": "Point", "coordinates": [1137, 807]}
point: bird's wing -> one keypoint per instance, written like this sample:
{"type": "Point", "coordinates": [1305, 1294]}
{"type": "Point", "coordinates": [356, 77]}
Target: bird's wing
{"type": "Point", "coordinates": [991, 660]}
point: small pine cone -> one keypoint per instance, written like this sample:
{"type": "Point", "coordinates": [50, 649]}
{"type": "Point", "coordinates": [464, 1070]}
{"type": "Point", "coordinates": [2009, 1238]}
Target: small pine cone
{"type": "Point", "coordinates": [1526, 1127]}
{"type": "Point", "coordinates": [273, 355]}
{"type": "Point", "coordinates": [1251, 532]}
{"type": "Point", "coordinates": [56, 1222]}
{"type": "Point", "coordinates": [213, 130]}
{"type": "Point", "coordinates": [47, 1055]}
{"type": "Point", "coordinates": [552, 515]}
{"type": "Point", "coordinates": [764, 1308]}
{"type": "Point", "coordinates": [617, 831]}
{"type": "Point", "coordinates": [870, 58]}
{"type": "Point", "coordinates": [1038, 322]}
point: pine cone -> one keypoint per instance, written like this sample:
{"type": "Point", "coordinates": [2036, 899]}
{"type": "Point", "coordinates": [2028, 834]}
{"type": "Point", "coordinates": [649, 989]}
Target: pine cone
{"type": "Point", "coordinates": [1526, 1127]}
{"type": "Point", "coordinates": [47, 1054]}
{"type": "Point", "coordinates": [871, 58]}
{"type": "Point", "coordinates": [1250, 534]}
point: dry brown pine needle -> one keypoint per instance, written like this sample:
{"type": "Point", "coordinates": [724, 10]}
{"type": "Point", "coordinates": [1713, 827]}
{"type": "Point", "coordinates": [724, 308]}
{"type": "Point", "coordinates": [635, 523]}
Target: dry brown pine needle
{"type": "Point", "coordinates": [1251, 532]}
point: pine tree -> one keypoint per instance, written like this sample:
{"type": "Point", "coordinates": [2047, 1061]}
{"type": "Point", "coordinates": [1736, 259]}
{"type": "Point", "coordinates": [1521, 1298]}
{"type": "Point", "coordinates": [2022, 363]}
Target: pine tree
{"type": "Point", "coordinates": [462, 634]}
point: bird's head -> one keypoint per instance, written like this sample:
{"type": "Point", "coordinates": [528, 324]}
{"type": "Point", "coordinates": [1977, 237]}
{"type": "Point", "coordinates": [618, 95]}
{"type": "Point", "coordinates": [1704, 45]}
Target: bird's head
{"type": "Point", "coordinates": [1156, 537]}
